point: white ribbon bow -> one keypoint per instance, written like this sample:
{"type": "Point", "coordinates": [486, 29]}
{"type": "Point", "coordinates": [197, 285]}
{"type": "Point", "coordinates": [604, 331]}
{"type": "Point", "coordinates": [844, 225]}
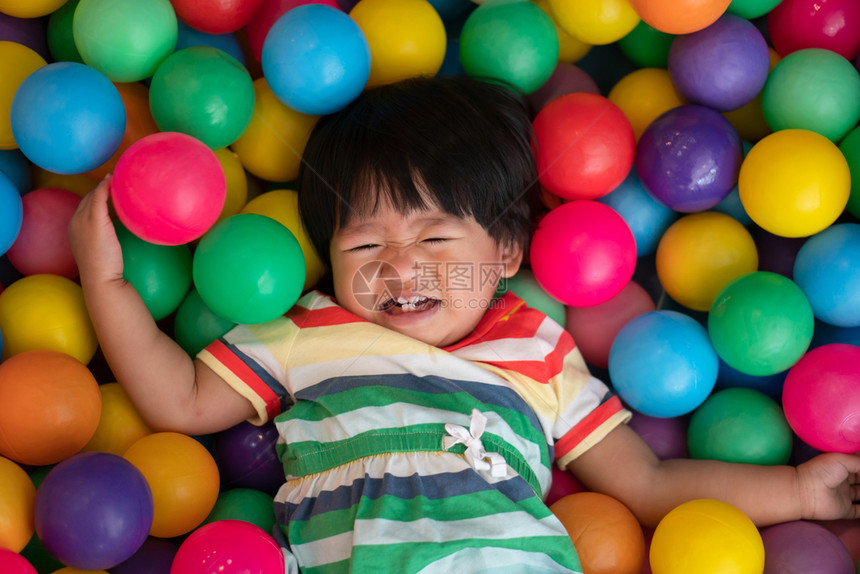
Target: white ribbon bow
{"type": "Point", "coordinates": [476, 456]}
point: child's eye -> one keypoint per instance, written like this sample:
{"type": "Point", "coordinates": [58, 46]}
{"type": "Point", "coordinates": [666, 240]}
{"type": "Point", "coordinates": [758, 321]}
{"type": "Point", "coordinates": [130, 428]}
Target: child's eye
{"type": "Point", "coordinates": [435, 240]}
{"type": "Point", "coordinates": [362, 247]}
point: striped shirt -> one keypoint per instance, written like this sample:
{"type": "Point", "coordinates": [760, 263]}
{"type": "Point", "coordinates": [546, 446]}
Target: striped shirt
{"type": "Point", "coordinates": [376, 477]}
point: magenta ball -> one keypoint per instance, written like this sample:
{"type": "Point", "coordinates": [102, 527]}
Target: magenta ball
{"type": "Point", "coordinates": [168, 188]}
{"type": "Point", "coordinates": [723, 66]}
{"type": "Point", "coordinates": [801, 547]}
{"type": "Point", "coordinates": [247, 457]}
{"type": "Point", "coordinates": [689, 158]}
{"type": "Point", "coordinates": [13, 563]}
{"type": "Point", "coordinates": [583, 253]}
{"type": "Point", "coordinates": [829, 24]}
{"type": "Point", "coordinates": [228, 546]}
{"type": "Point", "coordinates": [821, 398]}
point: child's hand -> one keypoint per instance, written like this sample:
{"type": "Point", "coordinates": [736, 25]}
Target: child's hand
{"type": "Point", "coordinates": [827, 486]}
{"type": "Point", "coordinates": [93, 238]}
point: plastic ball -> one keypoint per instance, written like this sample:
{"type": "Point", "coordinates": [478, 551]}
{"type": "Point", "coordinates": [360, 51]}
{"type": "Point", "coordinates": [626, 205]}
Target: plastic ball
{"type": "Point", "coordinates": [272, 145]}
{"type": "Point", "coordinates": [28, 32]}
{"type": "Point", "coordinates": [67, 118]}
{"type": "Point", "coordinates": [702, 252]}
{"type": "Point", "coordinates": [154, 557]}
{"type": "Point", "coordinates": [585, 146]}
{"type": "Point", "coordinates": [646, 46]}
{"type": "Point", "coordinates": [218, 17]}
{"type": "Point", "coordinates": [595, 23]}
{"type": "Point", "coordinates": [16, 167]}
{"type": "Point", "coordinates": [770, 385]}
{"type": "Point", "coordinates": [583, 253]}
{"type": "Point", "coordinates": [777, 253]}
{"type": "Point", "coordinates": [662, 364]}
{"type": "Point", "coordinates": [680, 16]}
{"type": "Point", "coordinates": [406, 38]}
{"type": "Point", "coordinates": [525, 286]}
{"type": "Point", "coordinates": [820, 398]}
{"type": "Point", "coordinates": [126, 40]}
{"type": "Point", "coordinates": [203, 92]}
{"type": "Point", "coordinates": [282, 205]}
{"type": "Point", "coordinates": [594, 328]}
{"type": "Point", "coordinates": [689, 158]}
{"type": "Point", "coordinates": [17, 497]}
{"type": "Point", "coordinates": [78, 183]}
{"type": "Point", "coordinates": [46, 312]}
{"type": "Point", "coordinates": [11, 213]}
{"type": "Point", "coordinates": [195, 325]}
{"type": "Point", "coordinates": [800, 546]}
{"type": "Point", "coordinates": [316, 59]}
{"type": "Point", "coordinates": [17, 63]}
{"type": "Point", "coordinates": [13, 563]}
{"type": "Point", "coordinates": [761, 323]}
{"type": "Point", "coordinates": [120, 425]}
{"type": "Point", "coordinates": [566, 79]}
{"type": "Point", "coordinates": [667, 437]}
{"type": "Point", "coordinates": [183, 477]}
{"type": "Point", "coordinates": [510, 40]}
{"type": "Point", "coordinates": [228, 545]}
{"type": "Point", "coordinates": [606, 534]}
{"type": "Point", "coordinates": [188, 37]}
{"type": "Point", "coordinates": [93, 510]}
{"type": "Point", "coordinates": [794, 183]}
{"type": "Point", "coordinates": [237, 182]}
{"type": "Point", "coordinates": [751, 9]}
{"type": "Point", "coordinates": [245, 504]}
{"type": "Point", "coordinates": [813, 89]}
{"type": "Point", "coordinates": [168, 188]}
{"type": "Point", "coordinates": [570, 48]}
{"type": "Point", "coordinates": [249, 269]}
{"type": "Point", "coordinates": [270, 10]}
{"type": "Point", "coordinates": [850, 148]}
{"type": "Point", "coordinates": [706, 536]}
{"type": "Point", "coordinates": [42, 245]}
{"type": "Point", "coordinates": [799, 24]}
{"type": "Point", "coordinates": [29, 8]}
{"type": "Point", "coordinates": [247, 457]}
{"type": "Point", "coordinates": [644, 95]}
{"type": "Point", "coordinates": [723, 66]}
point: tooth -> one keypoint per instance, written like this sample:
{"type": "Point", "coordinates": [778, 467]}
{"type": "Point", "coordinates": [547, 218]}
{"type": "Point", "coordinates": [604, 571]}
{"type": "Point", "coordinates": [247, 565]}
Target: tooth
{"type": "Point", "coordinates": [402, 301]}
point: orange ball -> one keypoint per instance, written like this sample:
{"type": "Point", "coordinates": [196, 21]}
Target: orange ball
{"type": "Point", "coordinates": [49, 407]}
{"type": "Point", "coordinates": [680, 16]}
{"type": "Point", "coordinates": [604, 531]}
{"type": "Point", "coordinates": [183, 477]}
{"type": "Point", "coordinates": [17, 499]}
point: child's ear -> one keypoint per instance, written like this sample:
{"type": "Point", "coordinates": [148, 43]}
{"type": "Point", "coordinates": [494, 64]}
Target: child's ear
{"type": "Point", "coordinates": [512, 258]}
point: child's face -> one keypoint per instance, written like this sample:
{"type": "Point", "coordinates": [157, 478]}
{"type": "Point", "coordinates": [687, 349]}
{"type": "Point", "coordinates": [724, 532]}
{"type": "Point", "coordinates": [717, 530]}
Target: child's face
{"type": "Point", "coordinates": [429, 275]}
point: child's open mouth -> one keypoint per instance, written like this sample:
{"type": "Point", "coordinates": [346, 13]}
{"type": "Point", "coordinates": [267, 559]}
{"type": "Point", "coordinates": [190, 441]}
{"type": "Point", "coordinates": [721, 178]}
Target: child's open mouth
{"type": "Point", "coordinates": [410, 305]}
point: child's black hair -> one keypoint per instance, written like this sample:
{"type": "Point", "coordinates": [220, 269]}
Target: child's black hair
{"type": "Point", "coordinates": [459, 143]}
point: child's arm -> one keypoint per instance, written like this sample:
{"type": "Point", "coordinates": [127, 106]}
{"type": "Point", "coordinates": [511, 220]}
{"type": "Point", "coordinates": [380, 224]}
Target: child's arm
{"type": "Point", "coordinates": [170, 391]}
{"type": "Point", "coordinates": [624, 467]}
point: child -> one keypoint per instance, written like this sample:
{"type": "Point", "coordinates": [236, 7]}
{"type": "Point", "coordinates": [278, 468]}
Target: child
{"type": "Point", "coordinates": [419, 415]}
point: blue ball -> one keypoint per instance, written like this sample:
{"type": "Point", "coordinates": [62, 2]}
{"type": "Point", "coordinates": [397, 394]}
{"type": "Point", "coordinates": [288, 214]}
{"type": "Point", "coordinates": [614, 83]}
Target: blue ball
{"type": "Point", "coordinates": [662, 364]}
{"type": "Point", "coordinates": [316, 59]}
{"type": "Point", "coordinates": [827, 270]}
{"type": "Point", "coordinates": [11, 213]}
{"type": "Point", "coordinates": [67, 118]}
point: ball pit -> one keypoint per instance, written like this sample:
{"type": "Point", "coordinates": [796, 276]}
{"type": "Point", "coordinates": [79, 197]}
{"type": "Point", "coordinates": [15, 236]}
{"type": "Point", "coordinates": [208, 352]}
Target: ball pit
{"type": "Point", "coordinates": [570, 48]}
{"type": "Point", "coordinates": [268, 13]}
{"type": "Point", "coordinates": [595, 23]}
{"type": "Point", "coordinates": [680, 16]}
{"type": "Point", "coordinates": [644, 95]}
{"type": "Point", "coordinates": [218, 17]}
{"type": "Point", "coordinates": [247, 457]}
{"type": "Point", "coordinates": [798, 24]}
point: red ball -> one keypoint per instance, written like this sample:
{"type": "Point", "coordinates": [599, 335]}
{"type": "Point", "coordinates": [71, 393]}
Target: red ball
{"type": "Point", "coordinates": [267, 15]}
{"type": "Point", "coordinates": [228, 546]}
{"type": "Point", "coordinates": [168, 188]}
{"type": "Point", "coordinates": [829, 24]}
{"type": "Point", "coordinates": [583, 253]}
{"type": "Point", "coordinates": [585, 146]}
{"type": "Point", "coordinates": [42, 245]}
{"type": "Point", "coordinates": [216, 16]}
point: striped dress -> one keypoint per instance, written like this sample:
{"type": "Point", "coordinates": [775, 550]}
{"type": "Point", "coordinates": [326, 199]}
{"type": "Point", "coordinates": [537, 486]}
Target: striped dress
{"type": "Point", "coordinates": [404, 457]}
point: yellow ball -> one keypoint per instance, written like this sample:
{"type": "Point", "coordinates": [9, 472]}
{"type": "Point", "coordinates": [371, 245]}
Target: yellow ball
{"type": "Point", "coordinates": [702, 252]}
{"type": "Point", "coordinates": [406, 37]}
{"type": "Point", "coordinates": [30, 8]}
{"type": "Point", "coordinates": [17, 497]}
{"type": "Point", "coordinates": [282, 205]}
{"type": "Point", "coordinates": [46, 312]}
{"type": "Point", "coordinates": [73, 570]}
{"type": "Point", "coordinates": [707, 537]}
{"type": "Point", "coordinates": [237, 182]}
{"type": "Point", "coordinates": [570, 48]}
{"type": "Point", "coordinates": [16, 63]}
{"type": "Point", "coordinates": [78, 183]}
{"type": "Point", "coordinates": [794, 183]}
{"type": "Point", "coordinates": [271, 146]}
{"type": "Point", "coordinates": [120, 425]}
{"type": "Point", "coordinates": [749, 119]}
{"type": "Point", "coordinates": [183, 477]}
{"type": "Point", "coordinates": [643, 95]}
{"type": "Point", "coordinates": [597, 22]}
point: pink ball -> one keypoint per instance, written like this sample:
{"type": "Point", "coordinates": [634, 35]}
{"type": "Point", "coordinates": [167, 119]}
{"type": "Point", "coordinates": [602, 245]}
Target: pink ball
{"type": "Point", "coordinates": [830, 24]}
{"type": "Point", "coordinates": [821, 398]}
{"type": "Point", "coordinates": [14, 563]}
{"type": "Point", "coordinates": [168, 188]}
{"type": "Point", "coordinates": [42, 245]}
{"type": "Point", "coordinates": [228, 546]}
{"type": "Point", "coordinates": [583, 253]}
{"type": "Point", "coordinates": [267, 15]}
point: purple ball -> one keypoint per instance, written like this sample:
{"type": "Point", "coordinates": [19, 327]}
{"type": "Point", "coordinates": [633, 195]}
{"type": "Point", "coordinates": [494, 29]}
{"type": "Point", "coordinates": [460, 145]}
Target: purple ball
{"type": "Point", "coordinates": [31, 32]}
{"type": "Point", "coordinates": [247, 457]}
{"type": "Point", "coordinates": [667, 437]}
{"type": "Point", "coordinates": [801, 547]}
{"type": "Point", "coordinates": [565, 79]}
{"type": "Point", "coordinates": [689, 158]}
{"type": "Point", "coordinates": [154, 557]}
{"type": "Point", "coordinates": [777, 253]}
{"type": "Point", "coordinates": [723, 66]}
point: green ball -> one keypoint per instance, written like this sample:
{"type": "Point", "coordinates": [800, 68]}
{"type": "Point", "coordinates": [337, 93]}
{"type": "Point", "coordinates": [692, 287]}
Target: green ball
{"type": "Point", "coordinates": [160, 273]}
{"type": "Point", "coordinates": [510, 40]}
{"type": "Point", "coordinates": [125, 40]}
{"type": "Point", "coordinates": [850, 148]}
{"type": "Point", "coordinates": [760, 323]}
{"type": "Point", "coordinates": [203, 92]}
{"type": "Point", "coordinates": [249, 268]}
{"type": "Point", "coordinates": [813, 89]}
{"type": "Point", "coordinates": [751, 9]}
{"type": "Point", "coordinates": [740, 425]}
{"type": "Point", "coordinates": [647, 47]}
{"type": "Point", "coordinates": [525, 286]}
{"type": "Point", "coordinates": [61, 40]}
{"type": "Point", "coordinates": [244, 504]}
{"type": "Point", "coordinates": [195, 325]}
